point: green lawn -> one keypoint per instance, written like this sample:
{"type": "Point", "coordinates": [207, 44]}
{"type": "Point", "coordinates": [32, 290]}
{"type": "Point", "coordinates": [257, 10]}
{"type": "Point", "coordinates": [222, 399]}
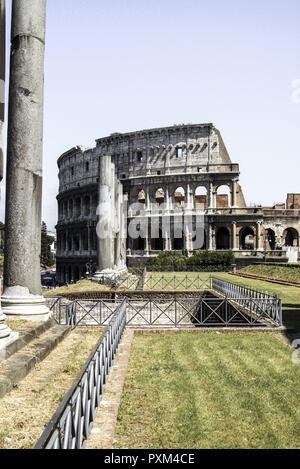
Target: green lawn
{"type": "Point", "coordinates": [189, 390]}
{"type": "Point", "coordinates": [286, 273]}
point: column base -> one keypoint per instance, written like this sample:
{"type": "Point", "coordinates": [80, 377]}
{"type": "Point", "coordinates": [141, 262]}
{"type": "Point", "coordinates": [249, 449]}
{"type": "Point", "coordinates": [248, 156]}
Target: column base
{"type": "Point", "coordinates": [109, 275]}
{"type": "Point", "coordinates": [4, 345]}
{"type": "Point", "coordinates": [19, 304]}
{"type": "Point", "coordinates": [5, 331]}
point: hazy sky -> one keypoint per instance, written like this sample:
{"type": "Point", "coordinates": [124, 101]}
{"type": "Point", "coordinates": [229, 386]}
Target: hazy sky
{"type": "Point", "coordinates": [124, 65]}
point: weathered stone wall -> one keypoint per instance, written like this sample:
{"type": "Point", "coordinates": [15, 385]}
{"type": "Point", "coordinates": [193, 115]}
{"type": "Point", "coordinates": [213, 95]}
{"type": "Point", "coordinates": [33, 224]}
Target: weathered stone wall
{"type": "Point", "coordinates": [183, 168]}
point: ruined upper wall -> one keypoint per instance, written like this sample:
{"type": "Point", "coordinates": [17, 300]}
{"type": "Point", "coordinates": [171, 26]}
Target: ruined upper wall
{"type": "Point", "coordinates": [180, 149]}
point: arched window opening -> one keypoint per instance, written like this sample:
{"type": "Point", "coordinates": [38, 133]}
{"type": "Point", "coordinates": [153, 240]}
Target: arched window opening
{"type": "Point", "coordinates": [76, 274]}
{"type": "Point", "coordinates": [247, 239]}
{"type": "Point", "coordinates": [76, 242]}
{"type": "Point", "coordinates": [142, 197]}
{"type": "Point", "coordinates": [160, 196]}
{"type": "Point", "coordinates": [291, 238]}
{"type": "Point", "coordinates": [199, 239]}
{"type": "Point", "coordinates": [85, 240]}
{"type": "Point", "coordinates": [201, 199]}
{"type": "Point", "coordinates": [71, 208]}
{"type": "Point", "coordinates": [178, 243]}
{"type": "Point", "coordinates": [77, 207]}
{"type": "Point", "coordinates": [179, 197]}
{"type": "Point", "coordinates": [157, 244]}
{"type": "Point", "coordinates": [86, 206]}
{"type": "Point", "coordinates": [223, 238]}
{"type": "Point", "coordinates": [270, 240]}
{"type": "Point", "coordinates": [223, 197]}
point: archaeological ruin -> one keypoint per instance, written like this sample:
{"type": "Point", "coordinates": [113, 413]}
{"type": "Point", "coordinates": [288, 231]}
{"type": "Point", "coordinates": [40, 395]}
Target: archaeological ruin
{"type": "Point", "coordinates": [139, 187]}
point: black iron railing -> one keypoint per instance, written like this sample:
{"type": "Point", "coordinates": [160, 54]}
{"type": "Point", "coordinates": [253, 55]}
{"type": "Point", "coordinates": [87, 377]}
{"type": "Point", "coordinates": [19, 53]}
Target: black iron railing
{"type": "Point", "coordinates": [265, 306]}
{"type": "Point", "coordinates": [71, 425]}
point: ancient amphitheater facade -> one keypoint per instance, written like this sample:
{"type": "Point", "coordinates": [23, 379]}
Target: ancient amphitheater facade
{"type": "Point", "coordinates": [149, 182]}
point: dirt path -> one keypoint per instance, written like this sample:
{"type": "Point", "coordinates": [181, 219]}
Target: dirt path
{"type": "Point", "coordinates": [103, 431]}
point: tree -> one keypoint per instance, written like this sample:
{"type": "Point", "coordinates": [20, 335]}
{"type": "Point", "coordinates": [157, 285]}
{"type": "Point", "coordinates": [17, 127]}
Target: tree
{"type": "Point", "coordinates": [47, 258]}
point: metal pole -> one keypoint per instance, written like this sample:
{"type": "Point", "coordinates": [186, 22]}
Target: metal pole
{"type": "Point", "coordinates": [22, 279]}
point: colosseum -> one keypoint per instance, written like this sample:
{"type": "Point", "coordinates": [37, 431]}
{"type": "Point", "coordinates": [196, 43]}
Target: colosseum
{"type": "Point", "coordinates": [144, 179]}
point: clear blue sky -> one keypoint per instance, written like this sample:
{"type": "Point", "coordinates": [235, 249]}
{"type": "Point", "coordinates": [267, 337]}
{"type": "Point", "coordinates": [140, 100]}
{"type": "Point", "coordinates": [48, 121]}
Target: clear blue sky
{"type": "Point", "coordinates": [124, 65]}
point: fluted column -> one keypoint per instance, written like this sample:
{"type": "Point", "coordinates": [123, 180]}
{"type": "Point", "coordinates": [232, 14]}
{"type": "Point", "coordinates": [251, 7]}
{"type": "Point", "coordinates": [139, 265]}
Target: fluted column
{"type": "Point", "coordinates": [22, 279]}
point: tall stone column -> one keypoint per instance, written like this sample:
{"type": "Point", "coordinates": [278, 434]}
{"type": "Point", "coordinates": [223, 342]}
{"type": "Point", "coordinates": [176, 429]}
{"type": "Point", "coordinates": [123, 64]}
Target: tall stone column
{"type": "Point", "coordinates": [5, 331]}
{"type": "Point", "coordinates": [105, 220]}
{"type": "Point", "coordinates": [234, 236]}
{"type": "Point", "coordinates": [2, 82]}
{"type": "Point", "coordinates": [22, 278]}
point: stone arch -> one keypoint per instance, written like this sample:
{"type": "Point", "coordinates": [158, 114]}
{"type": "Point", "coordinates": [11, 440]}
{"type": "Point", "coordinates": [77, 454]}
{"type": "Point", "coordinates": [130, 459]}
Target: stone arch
{"type": "Point", "coordinates": [71, 208]}
{"type": "Point", "coordinates": [85, 239]}
{"type": "Point", "coordinates": [201, 198]}
{"type": "Point", "coordinates": [270, 239]}
{"type": "Point", "coordinates": [64, 242]}
{"type": "Point", "coordinates": [159, 196]}
{"type": "Point", "coordinates": [141, 196]}
{"type": "Point", "coordinates": [86, 206]}
{"type": "Point", "coordinates": [178, 243]}
{"type": "Point", "coordinates": [76, 275]}
{"type": "Point", "coordinates": [179, 197]}
{"type": "Point", "coordinates": [291, 237]}
{"type": "Point", "coordinates": [70, 274]}
{"type": "Point", "coordinates": [223, 196]}
{"type": "Point", "coordinates": [76, 241]}
{"type": "Point", "coordinates": [247, 238]}
{"type": "Point", "coordinates": [66, 209]}
{"type": "Point", "coordinates": [157, 244]}
{"type": "Point", "coordinates": [77, 207]}
{"type": "Point", "coordinates": [223, 238]}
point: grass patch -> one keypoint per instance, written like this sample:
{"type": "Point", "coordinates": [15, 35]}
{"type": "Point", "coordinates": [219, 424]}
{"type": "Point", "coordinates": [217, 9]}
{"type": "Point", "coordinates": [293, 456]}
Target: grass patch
{"type": "Point", "coordinates": [79, 287]}
{"type": "Point", "coordinates": [285, 273]}
{"type": "Point", "coordinates": [26, 410]}
{"type": "Point", "coordinates": [209, 391]}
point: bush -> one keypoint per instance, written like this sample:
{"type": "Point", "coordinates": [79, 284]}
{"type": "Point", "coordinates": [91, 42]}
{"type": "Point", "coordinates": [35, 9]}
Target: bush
{"type": "Point", "coordinates": [202, 261]}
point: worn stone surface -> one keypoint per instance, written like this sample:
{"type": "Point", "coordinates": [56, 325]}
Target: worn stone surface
{"type": "Point", "coordinates": [13, 370]}
{"type": "Point", "coordinates": [24, 156]}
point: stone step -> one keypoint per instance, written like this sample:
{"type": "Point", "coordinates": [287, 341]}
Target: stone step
{"type": "Point", "coordinates": [17, 367]}
{"type": "Point", "coordinates": [26, 335]}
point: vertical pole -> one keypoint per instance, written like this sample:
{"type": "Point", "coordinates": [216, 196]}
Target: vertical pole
{"type": "Point", "coordinates": [22, 278]}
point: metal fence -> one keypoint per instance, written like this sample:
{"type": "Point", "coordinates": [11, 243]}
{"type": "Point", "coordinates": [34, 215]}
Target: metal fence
{"type": "Point", "coordinates": [218, 303]}
{"type": "Point", "coordinates": [265, 306]}
{"type": "Point", "coordinates": [208, 309]}
{"type": "Point", "coordinates": [176, 282]}
{"type": "Point", "coordinates": [71, 425]}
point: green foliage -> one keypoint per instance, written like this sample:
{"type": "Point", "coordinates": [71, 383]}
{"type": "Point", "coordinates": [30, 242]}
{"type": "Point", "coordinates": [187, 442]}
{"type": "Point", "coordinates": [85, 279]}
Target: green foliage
{"type": "Point", "coordinates": [47, 259]}
{"type": "Point", "coordinates": [200, 261]}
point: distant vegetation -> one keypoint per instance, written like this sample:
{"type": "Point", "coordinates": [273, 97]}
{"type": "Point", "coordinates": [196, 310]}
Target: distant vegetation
{"type": "Point", "coordinates": [200, 261]}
